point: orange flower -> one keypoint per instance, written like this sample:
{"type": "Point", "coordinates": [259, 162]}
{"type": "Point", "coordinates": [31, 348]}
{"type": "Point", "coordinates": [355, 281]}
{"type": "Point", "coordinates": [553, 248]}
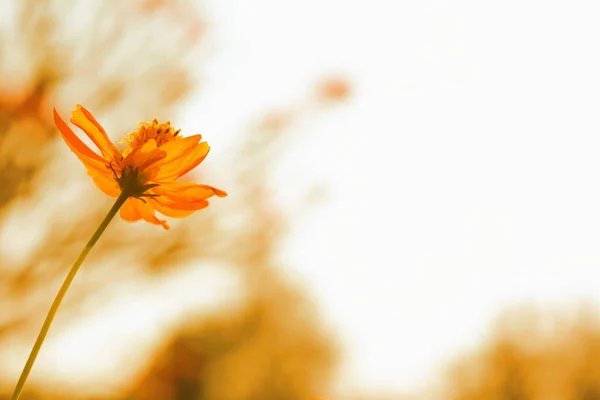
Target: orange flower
{"type": "Point", "coordinates": [147, 169]}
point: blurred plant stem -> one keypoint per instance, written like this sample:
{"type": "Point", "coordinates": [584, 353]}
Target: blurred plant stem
{"type": "Point", "coordinates": [63, 290]}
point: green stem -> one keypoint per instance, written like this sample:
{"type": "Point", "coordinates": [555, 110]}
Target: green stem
{"type": "Point", "coordinates": [61, 294]}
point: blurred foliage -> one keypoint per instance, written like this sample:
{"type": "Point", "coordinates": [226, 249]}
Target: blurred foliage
{"type": "Point", "coordinates": [131, 61]}
{"type": "Point", "coordinates": [533, 355]}
{"type": "Point", "coordinates": [61, 66]}
{"type": "Point", "coordinates": [270, 350]}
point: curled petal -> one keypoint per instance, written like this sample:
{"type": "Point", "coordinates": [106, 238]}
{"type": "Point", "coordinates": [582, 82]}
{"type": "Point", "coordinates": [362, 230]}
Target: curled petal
{"type": "Point", "coordinates": [184, 164]}
{"type": "Point", "coordinates": [177, 151]}
{"type": "Point", "coordinates": [87, 123]}
{"type": "Point", "coordinates": [179, 200]}
{"type": "Point", "coordinates": [84, 153]}
{"type": "Point", "coordinates": [96, 166]}
{"type": "Point", "coordinates": [194, 159]}
{"type": "Point", "coordinates": [183, 192]}
{"type": "Point", "coordinates": [135, 209]}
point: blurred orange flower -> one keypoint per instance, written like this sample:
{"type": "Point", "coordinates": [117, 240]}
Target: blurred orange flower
{"type": "Point", "coordinates": [333, 89]}
{"type": "Point", "coordinates": [147, 169]}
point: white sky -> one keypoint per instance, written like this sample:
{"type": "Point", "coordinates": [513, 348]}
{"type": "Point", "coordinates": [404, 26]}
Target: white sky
{"type": "Point", "coordinates": [463, 173]}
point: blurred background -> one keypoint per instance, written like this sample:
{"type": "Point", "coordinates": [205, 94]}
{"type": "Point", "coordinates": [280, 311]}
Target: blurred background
{"type": "Point", "coordinates": [413, 207]}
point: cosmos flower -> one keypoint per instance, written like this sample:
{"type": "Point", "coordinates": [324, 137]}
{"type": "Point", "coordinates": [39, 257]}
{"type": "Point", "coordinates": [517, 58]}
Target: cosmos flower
{"type": "Point", "coordinates": [146, 170]}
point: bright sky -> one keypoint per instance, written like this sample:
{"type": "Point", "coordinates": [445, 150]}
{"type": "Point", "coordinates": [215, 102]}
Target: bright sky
{"type": "Point", "coordinates": [463, 173]}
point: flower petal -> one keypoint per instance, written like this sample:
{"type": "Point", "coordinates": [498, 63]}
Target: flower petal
{"type": "Point", "coordinates": [87, 123]}
{"type": "Point", "coordinates": [83, 152]}
{"type": "Point", "coordinates": [176, 151]}
{"type": "Point", "coordinates": [187, 192]}
{"type": "Point", "coordinates": [194, 159]}
{"type": "Point", "coordinates": [96, 166]}
{"type": "Point", "coordinates": [106, 183]}
{"type": "Point", "coordinates": [135, 209]}
{"type": "Point", "coordinates": [183, 165]}
{"type": "Point", "coordinates": [167, 211]}
{"type": "Point", "coordinates": [129, 211]}
{"type": "Point", "coordinates": [143, 156]}
{"type": "Point", "coordinates": [179, 200]}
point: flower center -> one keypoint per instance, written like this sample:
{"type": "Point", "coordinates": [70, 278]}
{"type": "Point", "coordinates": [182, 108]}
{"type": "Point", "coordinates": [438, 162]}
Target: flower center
{"type": "Point", "coordinates": [162, 133]}
{"type": "Point", "coordinates": [133, 182]}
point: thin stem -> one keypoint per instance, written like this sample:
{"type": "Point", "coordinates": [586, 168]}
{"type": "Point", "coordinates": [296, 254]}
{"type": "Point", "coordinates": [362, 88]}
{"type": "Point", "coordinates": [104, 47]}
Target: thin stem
{"type": "Point", "coordinates": [61, 294]}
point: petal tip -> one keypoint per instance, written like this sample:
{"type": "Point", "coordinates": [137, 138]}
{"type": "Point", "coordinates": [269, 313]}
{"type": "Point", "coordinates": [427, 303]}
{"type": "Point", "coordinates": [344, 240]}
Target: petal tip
{"type": "Point", "coordinates": [220, 193]}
